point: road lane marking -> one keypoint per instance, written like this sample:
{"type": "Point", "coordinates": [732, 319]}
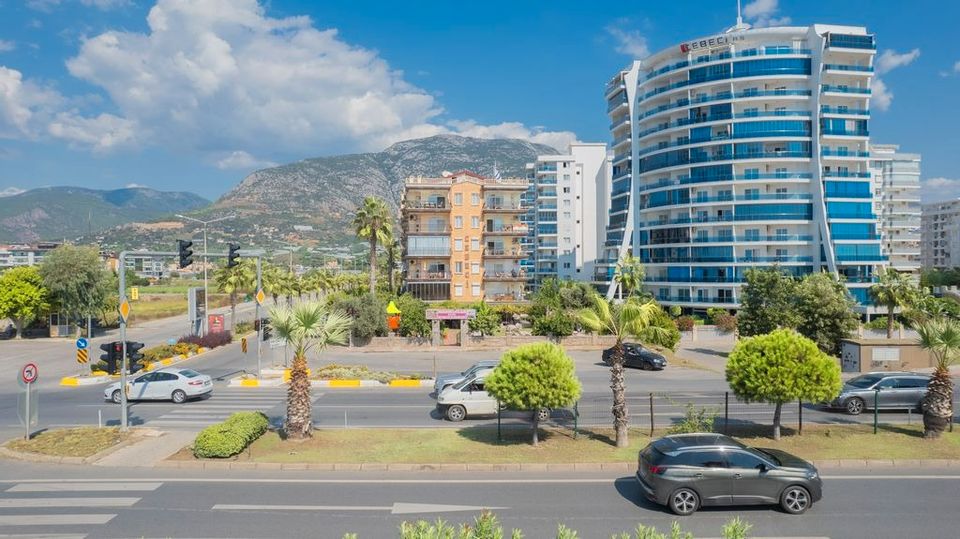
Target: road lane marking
{"type": "Point", "coordinates": [398, 508]}
{"type": "Point", "coordinates": [21, 503]}
{"type": "Point", "coordinates": [53, 520]}
{"type": "Point", "coordinates": [94, 485]}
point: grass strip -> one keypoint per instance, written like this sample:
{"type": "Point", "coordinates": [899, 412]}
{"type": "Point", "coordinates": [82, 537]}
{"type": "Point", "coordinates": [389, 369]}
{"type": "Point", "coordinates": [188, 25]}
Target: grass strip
{"type": "Point", "coordinates": [76, 442]}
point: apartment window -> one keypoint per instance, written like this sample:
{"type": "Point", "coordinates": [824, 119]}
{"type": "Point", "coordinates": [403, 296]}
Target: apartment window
{"type": "Point", "coordinates": [458, 244]}
{"type": "Point", "coordinates": [475, 199]}
{"type": "Point", "coordinates": [566, 177]}
{"type": "Point", "coordinates": [458, 199]}
{"type": "Point", "coordinates": [566, 203]}
{"type": "Point", "coordinates": [782, 253]}
{"type": "Point", "coordinates": [475, 290]}
{"type": "Point", "coordinates": [475, 268]}
{"type": "Point", "coordinates": [751, 173]}
{"type": "Point", "coordinates": [781, 233]}
{"type": "Point", "coordinates": [566, 265]}
{"type": "Point", "coordinates": [567, 215]}
{"type": "Point", "coordinates": [751, 194]}
{"type": "Point", "coordinates": [458, 222]}
{"type": "Point", "coordinates": [459, 267]}
{"type": "Point", "coordinates": [751, 111]}
{"type": "Point", "coordinates": [566, 189]}
{"type": "Point", "coordinates": [781, 172]}
{"type": "Point", "coordinates": [458, 290]}
{"type": "Point", "coordinates": [781, 192]}
{"type": "Point", "coordinates": [702, 235]}
{"type": "Point", "coordinates": [475, 222]}
{"type": "Point", "coordinates": [475, 244]}
{"type": "Point", "coordinates": [566, 240]}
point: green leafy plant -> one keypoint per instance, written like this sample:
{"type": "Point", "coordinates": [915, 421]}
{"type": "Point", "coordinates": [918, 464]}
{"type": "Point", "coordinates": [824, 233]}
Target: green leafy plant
{"type": "Point", "coordinates": [726, 323]}
{"type": "Point", "coordinates": [766, 302]}
{"type": "Point", "coordinates": [941, 337]}
{"type": "Point", "coordinates": [695, 419]}
{"type": "Point", "coordinates": [893, 291]}
{"type": "Point", "coordinates": [555, 324]}
{"type": "Point", "coordinates": [662, 331]}
{"type": "Point", "coordinates": [413, 317]}
{"type": "Point", "coordinates": [230, 437]}
{"type": "Point", "coordinates": [23, 298]}
{"type": "Point", "coordinates": [368, 313]}
{"type": "Point", "coordinates": [685, 323]}
{"type": "Point", "coordinates": [826, 311]}
{"type": "Point", "coordinates": [487, 321]}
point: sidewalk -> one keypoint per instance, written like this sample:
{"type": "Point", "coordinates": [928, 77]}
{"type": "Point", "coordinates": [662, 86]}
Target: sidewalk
{"type": "Point", "coordinates": [149, 452]}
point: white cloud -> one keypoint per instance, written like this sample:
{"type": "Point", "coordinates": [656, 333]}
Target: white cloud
{"type": "Point", "coordinates": [24, 105]}
{"type": "Point", "coordinates": [106, 4]}
{"type": "Point", "coordinates": [887, 61]}
{"type": "Point", "coordinates": [956, 67]}
{"type": "Point", "coordinates": [7, 46]}
{"type": "Point", "coordinates": [629, 41]}
{"type": "Point", "coordinates": [243, 160]}
{"type": "Point", "coordinates": [939, 189]}
{"type": "Point", "coordinates": [101, 133]}
{"type": "Point", "coordinates": [221, 77]}
{"type": "Point", "coordinates": [43, 5]}
{"type": "Point", "coordinates": [136, 186]}
{"type": "Point", "coordinates": [762, 13]}
{"type": "Point", "coordinates": [891, 59]}
{"type": "Point", "coordinates": [10, 191]}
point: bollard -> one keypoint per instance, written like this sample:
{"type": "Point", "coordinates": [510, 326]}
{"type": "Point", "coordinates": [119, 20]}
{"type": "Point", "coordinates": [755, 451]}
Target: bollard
{"type": "Point", "coordinates": [576, 418]}
{"type": "Point", "coordinates": [651, 415]}
{"type": "Point", "coordinates": [726, 412]}
{"type": "Point", "coordinates": [800, 416]}
{"type": "Point", "coordinates": [99, 418]}
{"type": "Point", "coordinates": [499, 410]}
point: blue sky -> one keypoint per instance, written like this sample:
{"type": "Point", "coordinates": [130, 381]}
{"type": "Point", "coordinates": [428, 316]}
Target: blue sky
{"type": "Point", "coordinates": [195, 94]}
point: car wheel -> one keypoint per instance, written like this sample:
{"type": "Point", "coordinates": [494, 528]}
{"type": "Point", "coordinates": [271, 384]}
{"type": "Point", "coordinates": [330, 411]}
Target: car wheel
{"type": "Point", "coordinates": [456, 413]}
{"type": "Point", "coordinates": [684, 502]}
{"type": "Point", "coordinates": [178, 397]}
{"type": "Point", "coordinates": [543, 415]}
{"type": "Point", "coordinates": [854, 406]}
{"type": "Point", "coordinates": [647, 366]}
{"type": "Point", "coordinates": [115, 396]}
{"type": "Point", "coordinates": [795, 500]}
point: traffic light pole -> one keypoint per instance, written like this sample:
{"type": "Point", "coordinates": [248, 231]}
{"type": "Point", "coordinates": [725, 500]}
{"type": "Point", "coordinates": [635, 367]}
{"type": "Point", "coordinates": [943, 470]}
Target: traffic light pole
{"type": "Point", "coordinates": [256, 316]}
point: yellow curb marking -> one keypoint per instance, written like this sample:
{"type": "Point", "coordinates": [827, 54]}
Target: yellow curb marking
{"type": "Point", "coordinates": [249, 383]}
{"type": "Point", "coordinates": [344, 383]}
{"type": "Point", "coordinates": [69, 381]}
{"type": "Point", "coordinates": [405, 383]}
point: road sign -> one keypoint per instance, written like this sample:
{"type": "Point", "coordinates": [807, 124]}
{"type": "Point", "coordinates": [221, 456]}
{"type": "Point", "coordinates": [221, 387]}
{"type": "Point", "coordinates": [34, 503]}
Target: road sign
{"type": "Point", "coordinates": [243, 344]}
{"type": "Point", "coordinates": [260, 297]}
{"type": "Point", "coordinates": [82, 343]}
{"type": "Point", "coordinates": [82, 356]}
{"type": "Point", "coordinates": [29, 373]}
{"type": "Point", "coordinates": [215, 323]}
{"type": "Point", "coordinates": [124, 310]}
{"type": "Point", "coordinates": [277, 343]}
{"type": "Point", "coordinates": [134, 293]}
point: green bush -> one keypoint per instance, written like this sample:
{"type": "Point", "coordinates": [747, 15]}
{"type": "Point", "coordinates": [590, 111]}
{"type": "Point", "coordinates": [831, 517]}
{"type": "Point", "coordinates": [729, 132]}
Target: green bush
{"type": "Point", "coordinates": [230, 437]}
{"type": "Point", "coordinates": [685, 323]}
{"type": "Point", "coordinates": [714, 314]}
{"type": "Point", "coordinates": [557, 324]}
{"type": "Point", "coordinates": [156, 353]}
{"type": "Point", "coordinates": [726, 323]}
{"type": "Point", "coordinates": [880, 322]}
{"type": "Point", "coordinates": [511, 312]}
{"type": "Point", "coordinates": [695, 420]}
{"type": "Point", "coordinates": [369, 316]}
{"type": "Point", "coordinates": [413, 317]}
{"type": "Point", "coordinates": [242, 328]}
{"type": "Point", "coordinates": [487, 321]}
{"type": "Point", "coordinates": [668, 339]}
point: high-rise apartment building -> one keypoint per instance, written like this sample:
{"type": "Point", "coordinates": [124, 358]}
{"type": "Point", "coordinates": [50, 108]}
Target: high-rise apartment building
{"type": "Point", "coordinates": [940, 235]}
{"type": "Point", "coordinates": [897, 187]}
{"type": "Point", "coordinates": [463, 237]}
{"type": "Point", "coordinates": [568, 201]}
{"type": "Point", "coordinates": [745, 149]}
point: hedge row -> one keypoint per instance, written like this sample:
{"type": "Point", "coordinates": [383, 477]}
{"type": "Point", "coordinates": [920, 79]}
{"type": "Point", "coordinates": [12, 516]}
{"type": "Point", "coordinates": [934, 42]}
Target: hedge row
{"type": "Point", "coordinates": [230, 437]}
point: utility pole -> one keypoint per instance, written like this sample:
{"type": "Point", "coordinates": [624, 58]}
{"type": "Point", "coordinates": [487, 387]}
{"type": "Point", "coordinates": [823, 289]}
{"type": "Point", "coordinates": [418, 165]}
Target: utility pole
{"type": "Point", "coordinates": [206, 310]}
{"type": "Point", "coordinates": [256, 315]}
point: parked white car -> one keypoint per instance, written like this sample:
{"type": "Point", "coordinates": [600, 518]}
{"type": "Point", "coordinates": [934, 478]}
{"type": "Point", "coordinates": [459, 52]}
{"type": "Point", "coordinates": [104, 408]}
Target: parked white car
{"type": "Point", "coordinates": [469, 398]}
{"type": "Point", "coordinates": [172, 384]}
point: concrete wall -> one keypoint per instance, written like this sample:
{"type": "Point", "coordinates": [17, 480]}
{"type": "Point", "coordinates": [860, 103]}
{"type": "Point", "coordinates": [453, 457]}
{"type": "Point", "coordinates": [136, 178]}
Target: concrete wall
{"type": "Point", "coordinates": [873, 355]}
{"type": "Point", "coordinates": [500, 342]}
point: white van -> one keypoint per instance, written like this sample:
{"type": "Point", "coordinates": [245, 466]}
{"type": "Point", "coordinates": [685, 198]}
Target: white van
{"type": "Point", "coordinates": [469, 398]}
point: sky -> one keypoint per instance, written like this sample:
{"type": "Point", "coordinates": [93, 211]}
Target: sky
{"type": "Point", "coordinates": [195, 94]}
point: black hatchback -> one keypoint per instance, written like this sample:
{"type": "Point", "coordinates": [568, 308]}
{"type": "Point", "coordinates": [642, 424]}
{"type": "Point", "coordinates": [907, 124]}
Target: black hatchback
{"type": "Point", "coordinates": [688, 471]}
{"type": "Point", "coordinates": [635, 355]}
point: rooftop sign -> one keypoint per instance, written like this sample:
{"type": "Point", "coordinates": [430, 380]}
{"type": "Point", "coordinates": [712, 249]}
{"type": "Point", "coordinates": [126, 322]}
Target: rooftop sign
{"type": "Point", "coordinates": [710, 43]}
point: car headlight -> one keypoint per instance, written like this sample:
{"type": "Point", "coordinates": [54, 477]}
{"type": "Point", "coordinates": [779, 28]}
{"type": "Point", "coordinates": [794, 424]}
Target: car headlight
{"type": "Point", "coordinates": [812, 475]}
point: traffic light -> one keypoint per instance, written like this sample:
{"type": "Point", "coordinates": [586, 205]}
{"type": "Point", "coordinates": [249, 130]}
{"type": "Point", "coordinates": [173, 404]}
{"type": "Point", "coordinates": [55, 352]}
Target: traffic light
{"type": "Point", "coordinates": [186, 254]}
{"type": "Point", "coordinates": [233, 255]}
{"type": "Point", "coordinates": [114, 352]}
{"type": "Point", "coordinates": [265, 325]}
{"type": "Point", "coordinates": [134, 356]}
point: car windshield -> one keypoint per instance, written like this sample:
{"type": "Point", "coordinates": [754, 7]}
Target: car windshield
{"type": "Point", "coordinates": [767, 455]}
{"type": "Point", "coordinates": [190, 373]}
{"type": "Point", "coordinates": [464, 383]}
{"type": "Point", "coordinates": [864, 381]}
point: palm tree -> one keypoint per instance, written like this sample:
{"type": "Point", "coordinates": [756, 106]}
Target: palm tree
{"type": "Point", "coordinates": [893, 290]}
{"type": "Point", "coordinates": [233, 281]}
{"type": "Point", "coordinates": [374, 223]}
{"type": "Point", "coordinates": [628, 319]}
{"type": "Point", "coordinates": [941, 337]}
{"type": "Point", "coordinates": [271, 281]}
{"type": "Point", "coordinates": [629, 275]}
{"type": "Point", "coordinates": [393, 253]}
{"type": "Point", "coordinates": [305, 326]}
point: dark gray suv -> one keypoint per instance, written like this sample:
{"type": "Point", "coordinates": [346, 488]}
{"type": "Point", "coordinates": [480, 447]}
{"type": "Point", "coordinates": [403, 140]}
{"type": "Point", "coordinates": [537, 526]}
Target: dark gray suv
{"type": "Point", "coordinates": [687, 471]}
{"type": "Point", "coordinates": [901, 390]}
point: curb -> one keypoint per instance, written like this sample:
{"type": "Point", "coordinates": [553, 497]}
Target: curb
{"type": "Point", "coordinates": [630, 467]}
{"type": "Point", "coordinates": [338, 383]}
{"type": "Point", "coordinates": [70, 381]}
{"type": "Point", "coordinates": [270, 382]}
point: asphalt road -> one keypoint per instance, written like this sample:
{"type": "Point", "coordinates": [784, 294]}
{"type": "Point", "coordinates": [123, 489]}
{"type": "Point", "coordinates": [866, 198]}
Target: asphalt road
{"type": "Point", "coordinates": [100, 503]}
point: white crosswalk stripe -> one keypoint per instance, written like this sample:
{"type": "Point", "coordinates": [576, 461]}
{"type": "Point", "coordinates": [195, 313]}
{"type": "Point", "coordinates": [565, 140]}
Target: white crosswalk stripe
{"type": "Point", "coordinates": [72, 516]}
{"type": "Point", "coordinates": [219, 406]}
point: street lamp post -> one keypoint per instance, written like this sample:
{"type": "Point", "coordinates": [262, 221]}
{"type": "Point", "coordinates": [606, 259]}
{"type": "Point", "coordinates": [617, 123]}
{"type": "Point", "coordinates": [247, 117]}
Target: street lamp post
{"type": "Point", "coordinates": [206, 309]}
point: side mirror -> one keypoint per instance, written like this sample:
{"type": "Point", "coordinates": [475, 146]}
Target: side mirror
{"type": "Point", "coordinates": [762, 467]}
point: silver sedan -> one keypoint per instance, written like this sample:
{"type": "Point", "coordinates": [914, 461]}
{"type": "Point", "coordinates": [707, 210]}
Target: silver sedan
{"type": "Point", "coordinates": [172, 384]}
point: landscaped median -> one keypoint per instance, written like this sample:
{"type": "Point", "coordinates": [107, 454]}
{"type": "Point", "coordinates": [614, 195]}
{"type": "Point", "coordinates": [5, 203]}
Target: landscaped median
{"type": "Point", "coordinates": [561, 449]}
{"type": "Point", "coordinates": [82, 445]}
{"type": "Point", "coordinates": [337, 376]}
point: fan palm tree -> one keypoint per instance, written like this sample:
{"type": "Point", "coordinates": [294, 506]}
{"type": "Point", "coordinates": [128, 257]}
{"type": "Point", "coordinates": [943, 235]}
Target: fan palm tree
{"type": "Point", "coordinates": [239, 279]}
{"type": "Point", "coordinates": [374, 223]}
{"type": "Point", "coordinates": [629, 275]}
{"type": "Point", "coordinates": [272, 281]}
{"type": "Point", "coordinates": [306, 326]}
{"type": "Point", "coordinates": [893, 290]}
{"type": "Point", "coordinates": [629, 319]}
{"type": "Point", "coordinates": [941, 337]}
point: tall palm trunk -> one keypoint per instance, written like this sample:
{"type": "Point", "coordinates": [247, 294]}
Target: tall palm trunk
{"type": "Point", "coordinates": [299, 414]}
{"type": "Point", "coordinates": [619, 398]}
{"type": "Point", "coordinates": [890, 308]}
{"type": "Point", "coordinates": [938, 403]}
{"type": "Point", "coordinates": [373, 263]}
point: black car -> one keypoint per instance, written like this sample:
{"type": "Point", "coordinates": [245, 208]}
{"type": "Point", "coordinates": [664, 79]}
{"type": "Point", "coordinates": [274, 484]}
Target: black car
{"type": "Point", "coordinates": [636, 355]}
{"type": "Point", "coordinates": [688, 471]}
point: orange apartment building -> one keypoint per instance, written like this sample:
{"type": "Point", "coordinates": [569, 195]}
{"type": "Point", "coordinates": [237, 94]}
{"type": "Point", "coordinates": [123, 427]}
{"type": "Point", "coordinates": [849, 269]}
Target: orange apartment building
{"type": "Point", "coordinates": [462, 237]}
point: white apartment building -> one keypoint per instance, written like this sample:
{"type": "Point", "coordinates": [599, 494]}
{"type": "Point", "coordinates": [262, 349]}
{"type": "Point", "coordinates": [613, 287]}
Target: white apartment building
{"type": "Point", "coordinates": [146, 266]}
{"type": "Point", "coordinates": [24, 255]}
{"type": "Point", "coordinates": [748, 148]}
{"type": "Point", "coordinates": [897, 186]}
{"type": "Point", "coordinates": [568, 200]}
{"type": "Point", "coordinates": [940, 233]}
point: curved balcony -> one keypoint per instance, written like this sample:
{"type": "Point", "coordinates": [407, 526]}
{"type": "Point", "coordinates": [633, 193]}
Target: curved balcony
{"type": "Point", "coordinates": [724, 96]}
{"type": "Point", "coordinates": [651, 150]}
{"type": "Point", "coordinates": [726, 178]}
{"type": "Point", "coordinates": [722, 117]}
{"type": "Point", "coordinates": [705, 158]}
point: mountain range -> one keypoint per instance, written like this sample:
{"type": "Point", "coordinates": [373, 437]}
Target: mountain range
{"type": "Point", "coordinates": [58, 213]}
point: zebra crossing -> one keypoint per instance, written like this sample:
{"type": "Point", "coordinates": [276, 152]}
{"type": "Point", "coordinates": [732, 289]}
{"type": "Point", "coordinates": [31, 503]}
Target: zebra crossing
{"type": "Point", "coordinates": [219, 406]}
{"type": "Point", "coordinates": [69, 509]}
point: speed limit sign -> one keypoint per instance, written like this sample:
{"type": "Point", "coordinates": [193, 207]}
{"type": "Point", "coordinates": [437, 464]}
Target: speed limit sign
{"type": "Point", "coordinates": [29, 373]}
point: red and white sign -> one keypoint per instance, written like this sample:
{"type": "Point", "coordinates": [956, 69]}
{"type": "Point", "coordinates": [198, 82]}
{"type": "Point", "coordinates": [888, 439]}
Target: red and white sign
{"type": "Point", "coordinates": [451, 314]}
{"type": "Point", "coordinates": [215, 323]}
{"type": "Point", "coordinates": [29, 373]}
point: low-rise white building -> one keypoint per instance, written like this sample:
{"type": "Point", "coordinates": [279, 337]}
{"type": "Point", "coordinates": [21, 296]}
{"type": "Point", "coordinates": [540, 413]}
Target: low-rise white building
{"type": "Point", "coordinates": [940, 233]}
{"type": "Point", "coordinates": [897, 183]}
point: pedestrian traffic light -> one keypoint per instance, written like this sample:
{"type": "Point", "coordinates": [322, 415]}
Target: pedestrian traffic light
{"type": "Point", "coordinates": [186, 254]}
{"type": "Point", "coordinates": [265, 325]}
{"type": "Point", "coordinates": [134, 356]}
{"type": "Point", "coordinates": [114, 351]}
{"type": "Point", "coordinates": [233, 255]}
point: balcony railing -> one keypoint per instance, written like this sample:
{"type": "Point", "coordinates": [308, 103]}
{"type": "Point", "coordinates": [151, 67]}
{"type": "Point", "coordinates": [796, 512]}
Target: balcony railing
{"type": "Point", "coordinates": [719, 117]}
{"type": "Point", "coordinates": [727, 178]}
{"type": "Point", "coordinates": [507, 229]}
{"type": "Point", "coordinates": [417, 229]}
{"type": "Point", "coordinates": [845, 89]}
{"type": "Point", "coordinates": [713, 259]}
{"type": "Point", "coordinates": [825, 109]}
{"type": "Point", "coordinates": [419, 205]}
{"type": "Point", "coordinates": [748, 238]}
{"type": "Point", "coordinates": [420, 253]}
{"type": "Point", "coordinates": [725, 56]}
{"type": "Point", "coordinates": [847, 174]}
{"type": "Point", "coordinates": [429, 276]}
{"type": "Point", "coordinates": [503, 206]}
{"type": "Point", "coordinates": [513, 275]}
{"type": "Point", "coordinates": [505, 253]}
{"type": "Point", "coordinates": [845, 132]}
{"type": "Point", "coordinates": [723, 96]}
{"type": "Point", "coordinates": [845, 67]}
{"type": "Point", "coordinates": [827, 152]}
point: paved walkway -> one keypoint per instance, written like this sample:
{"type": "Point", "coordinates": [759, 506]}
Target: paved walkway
{"type": "Point", "coordinates": [149, 451]}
